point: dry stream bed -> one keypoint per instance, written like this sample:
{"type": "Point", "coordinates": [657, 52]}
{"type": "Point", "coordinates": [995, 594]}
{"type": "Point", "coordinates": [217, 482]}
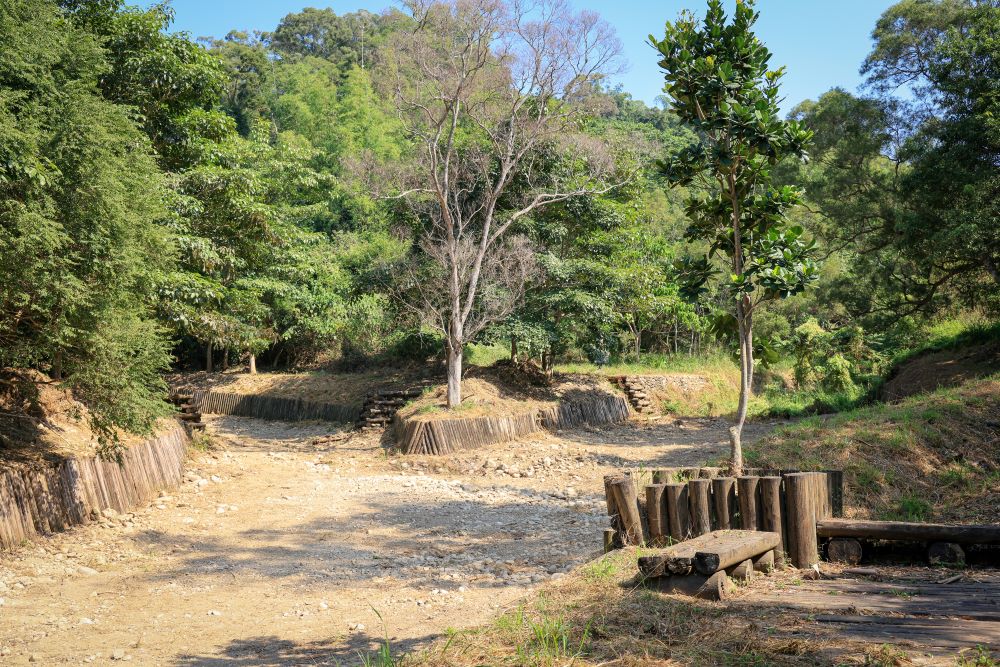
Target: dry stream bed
{"type": "Point", "coordinates": [276, 551]}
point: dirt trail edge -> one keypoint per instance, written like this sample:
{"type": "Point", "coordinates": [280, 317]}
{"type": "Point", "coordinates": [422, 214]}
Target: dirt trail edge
{"type": "Point", "coordinates": [277, 552]}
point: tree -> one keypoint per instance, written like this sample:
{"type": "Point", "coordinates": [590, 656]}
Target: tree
{"type": "Point", "coordinates": [490, 93]}
{"type": "Point", "coordinates": [79, 250]}
{"type": "Point", "coordinates": [347, 40]}
{"type": "Point", "coordinates": [953, 234]}
{"type": "Point", "coordinates": [719, 80]}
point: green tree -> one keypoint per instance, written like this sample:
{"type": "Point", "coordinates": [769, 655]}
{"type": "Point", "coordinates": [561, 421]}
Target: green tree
{"type": "Point", "coordinates": [719, 79]}
{"type": "Point", "coordinates": [346, 40]}
{"type": "Point", "coordinates": [79, 192]}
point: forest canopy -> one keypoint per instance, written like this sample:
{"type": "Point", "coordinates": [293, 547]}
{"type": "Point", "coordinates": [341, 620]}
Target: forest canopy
{"type": "Point", "coordinates": [275, 198]}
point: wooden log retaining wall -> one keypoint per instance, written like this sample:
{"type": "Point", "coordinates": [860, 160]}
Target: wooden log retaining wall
{"type": "Point", "coordinates": [38, 500]}
{"type": "Point", "coordinates": [445, 436]}
{"type": "Point", "coordinates": [784, 502]}
{"type": "Point", "coordinates": [274, 407]}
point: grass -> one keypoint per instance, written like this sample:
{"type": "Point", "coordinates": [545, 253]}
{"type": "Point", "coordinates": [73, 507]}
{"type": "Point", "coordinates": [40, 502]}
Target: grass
{"type": "Point", "coordinates": [485, 355]}
{"type": "Point", "coordinates": [598, 616]}
{"type": "Point", "coordinates": [651, 364]}
{"type": "Point", "coordinates": [383, 656]}
{"type": "Point", "coordinates": [929, 457]}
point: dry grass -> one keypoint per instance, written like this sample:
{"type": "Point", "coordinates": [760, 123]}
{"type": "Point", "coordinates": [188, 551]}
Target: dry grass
{"type": "Point", "coordinates": [317, 386]}
{"type": "Point", "coordinates": [492, 392]}
{"type": "Point", "coordinates": [599, 616]}
{"type": "Point", "coordinates": [930, 457]}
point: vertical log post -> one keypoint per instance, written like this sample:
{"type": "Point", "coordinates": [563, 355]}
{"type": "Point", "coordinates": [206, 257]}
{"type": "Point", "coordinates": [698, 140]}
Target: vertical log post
{"type": "Point", "coordinates": [656, 508]}
{"type": "Point", "coordinates": [802, 545]}
{"type": "Point", "coordinates": [664, 476]}
{"type": "Point", "coordinates": [677, 510]}
{"type": "Point", "coordinates": [835, 480]}
{"type": "Point", "coordinates": [701, 512]}
{"type": "Point", "coordinates": [613, 513]}
{"type": "Point", "coordinates": [821, 493]}
{"type": "Point", "coordinates": [609, 540]}
{"type": "Point", "coordinates": [627, 501]}
{"type": "Point", "coordinates": [746, 493]}
{"type": "Point", "coordinates": [724, 500]}
{"type": "Point", "coordinates": [771, 518]}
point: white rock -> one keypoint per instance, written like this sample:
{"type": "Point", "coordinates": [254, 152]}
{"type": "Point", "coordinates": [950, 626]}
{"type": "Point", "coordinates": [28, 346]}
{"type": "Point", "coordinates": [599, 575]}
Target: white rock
{"type": "Point", "coordinates": [213, 612]}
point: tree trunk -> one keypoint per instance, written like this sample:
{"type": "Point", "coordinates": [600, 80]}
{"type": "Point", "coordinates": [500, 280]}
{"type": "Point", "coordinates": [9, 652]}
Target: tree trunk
{"type": "Point", "coordinates": [638, 345]}
{"type": "Point", "coordinates": [208, 358]}
{"type": "Point", "coordinates": [455, 345]}
{"type": "Point", "coordinates": [513, 349]}
{"type": "Point", "coordinates": [225, 359]}
{"type": "Point", "coordinates": [677, 334]}
{"type": "Point", "coordinates": [253, 364]}
{"type": "Point", "coordinates": [746, 378]}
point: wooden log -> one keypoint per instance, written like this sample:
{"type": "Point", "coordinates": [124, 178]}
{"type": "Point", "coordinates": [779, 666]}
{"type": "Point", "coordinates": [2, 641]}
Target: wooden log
{"type": "Point", "coordinates": [717, 587]}
{"type": "Point", "coordinates": [845, 550]}
{"type": "Point", "coordinates": [700, 509]}
{"type": "Point", "coordinates": [733, 549]}
{"type": "Point", "coordinates": [656, 513]}
{"type": "Point", "coordinates": [945, 553]}
{"type": "Point", "coordinates": [911, 532]}
{"type": "Point", "coordinates": [801, 523]}
{"type": "Point", "coordinates": [609, 498]}
{"type": "Point", "coordinates": [609, 539]}
{"type": "Point", "coordinates": [771, 518]}
{"type": "Point", "coordinates": [652, 566]}
{"type": "Point", "coordinates": [626, 500]}
{"type": "Point", "coordinates": [677, 511]}
{"type": "Point", "coordinates": [765, 562]}
{"type": "Point", "coordinates": [821, 489]}
{"type": "Point", "coordinates": [724, 502]}
{"type": "Point", "coordinates": [665, 476]}
{"type": "Point", "coordinates": [747, 492]}
{"type": "Point", "coordinates": [742, 572]}
{"type": "Point", "coordinates": [835, 481]}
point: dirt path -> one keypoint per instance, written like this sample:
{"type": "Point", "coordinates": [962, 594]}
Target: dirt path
{"type": "Point", "coordinates": [276, 552]}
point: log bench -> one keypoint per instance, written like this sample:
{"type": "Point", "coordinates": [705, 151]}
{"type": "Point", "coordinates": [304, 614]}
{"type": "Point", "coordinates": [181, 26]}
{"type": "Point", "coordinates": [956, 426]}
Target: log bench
{"type": "Point", "coordinates": [702, 565]}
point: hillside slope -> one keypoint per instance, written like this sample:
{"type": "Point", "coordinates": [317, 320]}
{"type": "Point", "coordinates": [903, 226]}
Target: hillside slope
{"type": "Point", "coordinates": [933, 456]}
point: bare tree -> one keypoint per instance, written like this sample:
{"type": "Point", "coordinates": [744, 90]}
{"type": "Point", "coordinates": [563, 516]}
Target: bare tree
{"type": "Point", "coordinates": [493, 93]}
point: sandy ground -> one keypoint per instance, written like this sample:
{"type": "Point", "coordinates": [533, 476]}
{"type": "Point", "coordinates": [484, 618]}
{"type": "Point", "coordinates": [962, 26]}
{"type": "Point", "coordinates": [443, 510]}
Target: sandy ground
{"type": "Point", "coordinates": [278, 552]}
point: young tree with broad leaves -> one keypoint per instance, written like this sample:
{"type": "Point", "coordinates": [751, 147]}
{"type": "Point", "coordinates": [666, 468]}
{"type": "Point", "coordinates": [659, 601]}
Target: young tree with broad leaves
{"type": "Point", "coordinates": [719, 79]}
{"type": "Point", "coordinates": [492, 94]}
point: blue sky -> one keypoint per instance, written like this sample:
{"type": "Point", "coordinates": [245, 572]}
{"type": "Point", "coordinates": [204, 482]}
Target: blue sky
{"type": "Point", "coordinates": [822, 43]}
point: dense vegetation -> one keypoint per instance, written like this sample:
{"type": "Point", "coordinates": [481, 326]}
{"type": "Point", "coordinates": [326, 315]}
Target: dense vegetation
{"type": "Point", "coordinates": [167, 202]}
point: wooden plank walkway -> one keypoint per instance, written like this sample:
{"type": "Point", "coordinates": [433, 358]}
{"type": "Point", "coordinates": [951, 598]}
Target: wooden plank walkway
{"type": "Point", "coordinates": [923, 615]}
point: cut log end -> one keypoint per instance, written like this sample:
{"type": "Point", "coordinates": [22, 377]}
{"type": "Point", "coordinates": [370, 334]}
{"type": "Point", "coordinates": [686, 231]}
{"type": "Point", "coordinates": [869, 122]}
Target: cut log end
{"type": "Point", "coordinates": [946, 553]}
{"type": "Point", "coordinates": [844, 550]}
